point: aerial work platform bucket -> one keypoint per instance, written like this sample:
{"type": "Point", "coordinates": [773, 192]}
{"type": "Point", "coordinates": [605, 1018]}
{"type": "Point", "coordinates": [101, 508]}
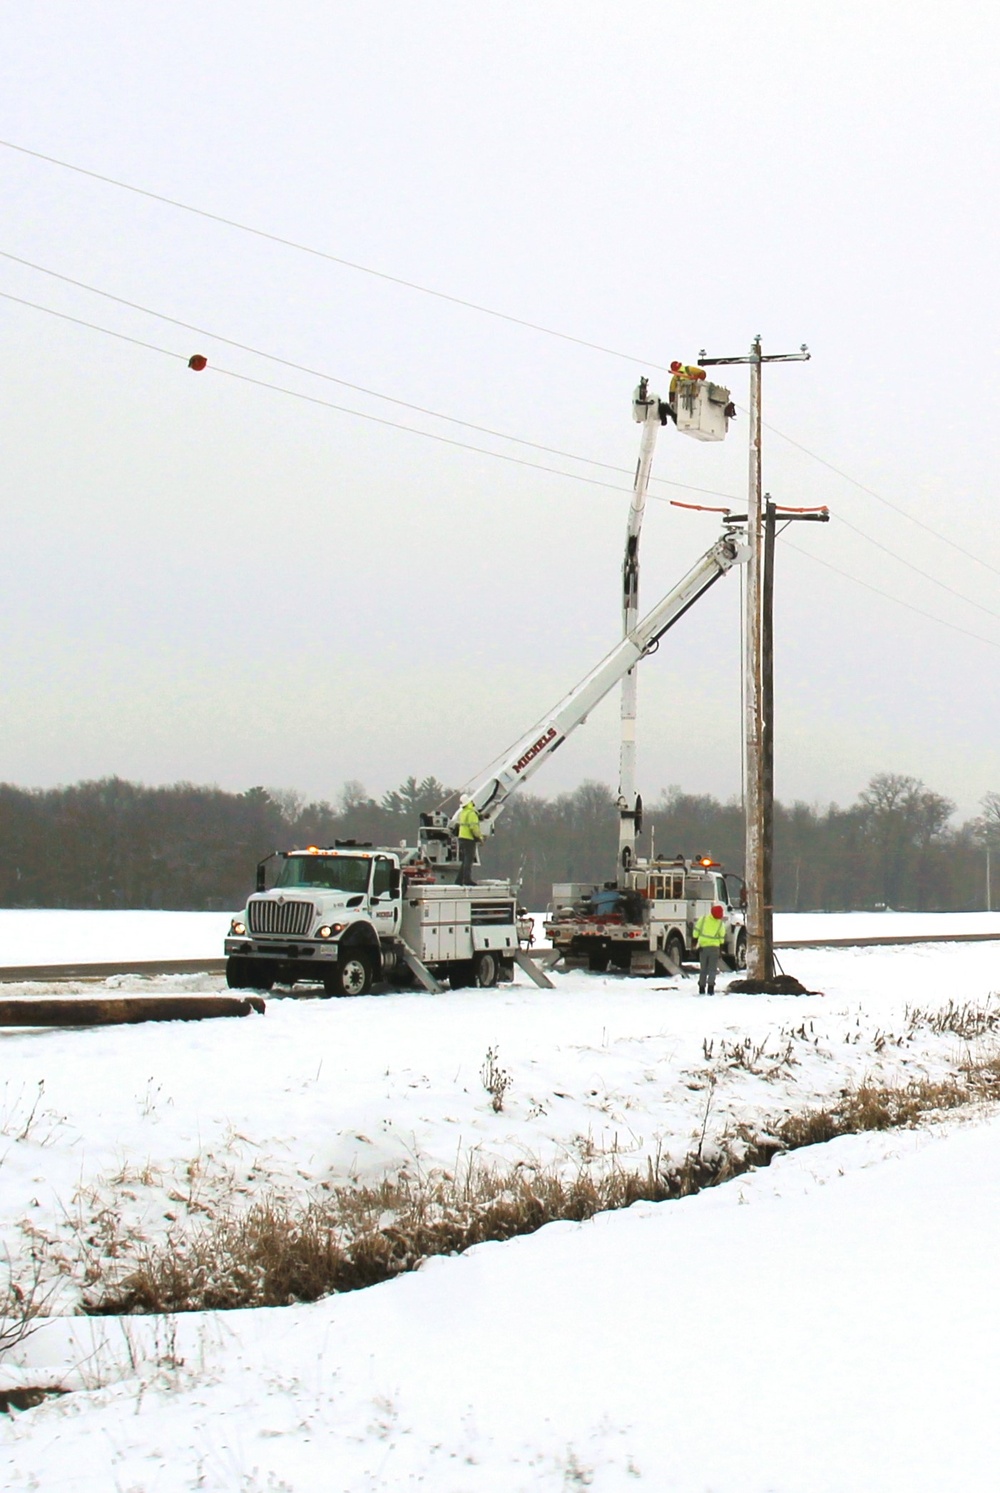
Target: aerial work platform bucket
{"type": "Point", "coordinates": [701, 409]}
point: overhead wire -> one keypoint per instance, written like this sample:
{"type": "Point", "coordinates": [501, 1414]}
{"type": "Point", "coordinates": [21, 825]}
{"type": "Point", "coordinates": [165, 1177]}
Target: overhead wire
{"type": "Point", "coordinates": [500, 456]}
{"type": "Point", "coordinates": [437, 414]}
{"type": "Point", "coordinates": [953, 626]}
{"type": "Point", "coordinates": [434, 414]}
{"type": "Point", "coordinates": [342, 382]}
{"type": "Point", "coordinates": [839, 519]}
{"type": "Point", "coordinates": [862, 487]}
{"type": "Point", "coordinates": [351, 264]}
{"type": "Point", "coordinates": [329, 404]}
{"type": "Point", "coordinates": [478, 307]}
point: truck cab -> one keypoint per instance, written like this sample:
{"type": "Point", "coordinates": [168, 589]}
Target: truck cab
{"type": "Point", "coordinates": [326, 918]}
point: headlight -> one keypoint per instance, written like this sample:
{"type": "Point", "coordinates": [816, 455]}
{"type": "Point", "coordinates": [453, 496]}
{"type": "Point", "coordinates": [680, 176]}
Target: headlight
{"type": "Point", "coordinates": [329, 930]}
{"type": "Point", "coordinates": [237, 929]}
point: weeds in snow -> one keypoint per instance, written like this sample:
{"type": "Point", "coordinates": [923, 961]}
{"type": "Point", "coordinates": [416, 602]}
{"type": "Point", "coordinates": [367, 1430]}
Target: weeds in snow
{"type": "Point", "coordinates": [22, 1304]}
{"type": "Point", "coordinates": [20, 1119]}
{"type": "Point", "coordinates": [496, 1080]}
{"type": "Point", "coordinates": [755, 1057]}
{"type": "Point", "coordinates": [277, 1251]}
{"type": "Point", "coordinates": [967, 1020]}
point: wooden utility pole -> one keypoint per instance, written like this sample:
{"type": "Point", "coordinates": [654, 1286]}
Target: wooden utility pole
{"type": "Point", "coordinates": [760, 950]}
{"type": "Point", "coordinates": [767, 746]}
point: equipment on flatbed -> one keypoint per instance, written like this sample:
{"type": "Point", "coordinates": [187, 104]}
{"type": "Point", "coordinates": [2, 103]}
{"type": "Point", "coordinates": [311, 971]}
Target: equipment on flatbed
{"type": "Point", "coordinates": [647, 922]}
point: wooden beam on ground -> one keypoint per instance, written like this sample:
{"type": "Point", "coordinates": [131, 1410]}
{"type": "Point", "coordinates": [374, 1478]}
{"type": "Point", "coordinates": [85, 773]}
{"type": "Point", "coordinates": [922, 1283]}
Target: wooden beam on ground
{"type": "Point", "coordinates": [70, 1010]}
{"type": "Point", "coordinates": [18, 973]}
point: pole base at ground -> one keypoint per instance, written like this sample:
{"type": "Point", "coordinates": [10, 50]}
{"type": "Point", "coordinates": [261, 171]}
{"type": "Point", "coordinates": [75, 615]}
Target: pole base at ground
{"type": "Point", "coordinates": [778, 985]}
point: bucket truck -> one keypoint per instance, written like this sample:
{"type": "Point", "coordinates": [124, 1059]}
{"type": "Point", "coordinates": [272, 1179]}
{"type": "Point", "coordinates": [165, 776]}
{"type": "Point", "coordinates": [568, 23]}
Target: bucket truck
{"type": "Point", "coordinates": [646, 917]}
{"type": "Point", "coordinates": [349, 914]}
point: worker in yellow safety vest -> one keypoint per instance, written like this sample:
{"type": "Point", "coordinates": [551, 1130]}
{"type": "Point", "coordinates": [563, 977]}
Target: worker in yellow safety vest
{"type": "Point", "coordinates": [709, 935]}
{"type": "Point", "coordinates": [687, 372]}
{"type": "Point", "coordinates": [469, 836]}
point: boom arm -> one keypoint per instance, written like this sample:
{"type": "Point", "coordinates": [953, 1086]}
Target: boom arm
{"type": "Point", "coordinates": [650, 412]}
{"type": "Point", "coordinates": [524, 759]}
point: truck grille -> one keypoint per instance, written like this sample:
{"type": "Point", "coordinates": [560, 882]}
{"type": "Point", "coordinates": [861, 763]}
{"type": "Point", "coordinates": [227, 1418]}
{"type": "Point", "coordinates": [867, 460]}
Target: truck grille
{"type": "Point", "coordinates": [487, 913]}
{"type": "Point", "coordinates": [267, 916]}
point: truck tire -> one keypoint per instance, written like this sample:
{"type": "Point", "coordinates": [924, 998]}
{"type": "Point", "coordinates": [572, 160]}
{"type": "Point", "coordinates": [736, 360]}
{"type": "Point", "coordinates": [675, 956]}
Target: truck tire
{"type": "Point", "coordinates": [351, 975]}
{"type": "Point", "coordinates": [675, 949]}
{"type": "Point", "coordinates": [236, 972]}
{"type": "Point", "coordinates": [485, 970]}
{"type": "Point", "coordinates": [460, 975]}
{"type": "Point", "coordinates": [598, 961]}
{"type": "Point", "coordinates": [739, 959]}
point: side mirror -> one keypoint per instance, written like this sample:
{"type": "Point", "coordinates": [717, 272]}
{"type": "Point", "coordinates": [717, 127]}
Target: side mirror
{"type": "Point", "coordinates": [261, 878]}
{"type": "Point", "coordinates": [395, 879]}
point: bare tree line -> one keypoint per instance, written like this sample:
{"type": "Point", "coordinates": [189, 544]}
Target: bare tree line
{"type": "Point", "coordinates": [116, 844]}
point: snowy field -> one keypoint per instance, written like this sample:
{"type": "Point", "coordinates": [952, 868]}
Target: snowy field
{"type": "Point", "coordinates": [48, 936]}
{"type": "Point", "coordinates": [826, 1324]}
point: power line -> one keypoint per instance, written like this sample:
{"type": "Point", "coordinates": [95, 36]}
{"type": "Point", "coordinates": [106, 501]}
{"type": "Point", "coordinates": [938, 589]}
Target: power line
{"type": "Point", "coordinates": [461, 445]}
{"type": "Point", "coordinates": [482, 310]}
{"type": "Point", "coordinates": [78, 321]}
{"type": "Point", "coordinates": [429, 435]}
{"type": "Point", "coordinates": [916, 568]}
{"type": "Point", "coordinates": [954, 626]}
{"type": "Point", "coordinates": [344, 383]}
{"type": "Point", "coordinates": [861, 486]}
{"type": "Point", "coordinates": [351, 264]}
{"type": "Point", "coordinates": [328, 404]}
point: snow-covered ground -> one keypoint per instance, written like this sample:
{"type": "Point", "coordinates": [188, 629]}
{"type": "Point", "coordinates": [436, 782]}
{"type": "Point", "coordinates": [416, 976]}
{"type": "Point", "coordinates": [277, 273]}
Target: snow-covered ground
{"type": "Point", "coordinates": [53, 936]}
{"type": "Point", "coordinates": [826, 1324]}
{"type": "Point", "coordinates": [47, 935]}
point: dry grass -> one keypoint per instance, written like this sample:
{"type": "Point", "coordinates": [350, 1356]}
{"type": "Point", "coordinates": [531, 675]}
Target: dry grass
{"type": "Point", "coordinates": [968, 1020]}
{"type": "Point", "coordinates": [276, 1252]}
{"type": "Point", "coordinates": [23, 1304]}
{"type": "Point", "coordinates": [872, 1106]}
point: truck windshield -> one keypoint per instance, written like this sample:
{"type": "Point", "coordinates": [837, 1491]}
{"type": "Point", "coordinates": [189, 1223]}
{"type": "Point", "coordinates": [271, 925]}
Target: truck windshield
{"type": "Point", "coordinates": [338, 873]}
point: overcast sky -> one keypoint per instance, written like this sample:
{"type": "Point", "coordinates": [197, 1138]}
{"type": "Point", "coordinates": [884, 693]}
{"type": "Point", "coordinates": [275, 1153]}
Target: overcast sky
{"type": "Point", "coordinates": [206, 579]}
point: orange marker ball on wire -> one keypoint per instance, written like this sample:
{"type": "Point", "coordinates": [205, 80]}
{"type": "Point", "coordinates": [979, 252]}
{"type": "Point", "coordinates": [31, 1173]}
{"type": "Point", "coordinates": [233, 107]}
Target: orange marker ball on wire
{"type": "Point", "coordinates": [197, 362]}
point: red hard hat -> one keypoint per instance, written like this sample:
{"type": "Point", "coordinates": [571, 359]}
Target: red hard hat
{"type": "Point", "coordinates": [716, 910]}
{"type": "Point", "coordinates": [675, 367]}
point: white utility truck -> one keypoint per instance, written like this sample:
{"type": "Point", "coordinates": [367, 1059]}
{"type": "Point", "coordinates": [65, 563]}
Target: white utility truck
{"type": "Point", "coordinates": [350, 914]}
{"type": "Point", "coordinates": [646, 919]}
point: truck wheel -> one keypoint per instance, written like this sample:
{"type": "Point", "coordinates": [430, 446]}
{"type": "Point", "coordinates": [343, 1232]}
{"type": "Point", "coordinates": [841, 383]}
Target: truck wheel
{"type": "Point", "coordinates": [352, 975]}
{"type": "Point", "coordinates": [236, 972]}
{"type": "Point", "coordinates": [675, 949]}
{"type": "Point", "coordinates": [598, 961]}
{"type": "Point", "coordinates": [460, 976]}
{"type": "Point", "coordinates": [740, 952]}
{"type": "Point", "coordinates": [485, 970]}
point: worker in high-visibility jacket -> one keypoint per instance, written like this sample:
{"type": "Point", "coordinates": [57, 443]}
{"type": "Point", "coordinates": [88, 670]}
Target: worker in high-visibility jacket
{"type": "Point", "coordinates": [709, 935]}
{"type": "Point", "coordinates": [688, 373]}
{"type": "Point", "coordinates": [469, 836]}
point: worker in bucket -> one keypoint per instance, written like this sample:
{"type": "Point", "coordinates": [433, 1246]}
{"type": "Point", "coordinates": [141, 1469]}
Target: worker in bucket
{"type": "Point", "coordinates": [469, 836]}
{"type": "Point", "coordinates": [709, 935]}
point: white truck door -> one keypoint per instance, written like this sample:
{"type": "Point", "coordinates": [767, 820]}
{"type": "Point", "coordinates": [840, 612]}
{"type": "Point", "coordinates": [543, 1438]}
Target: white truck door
{"type": "Point", "coordinates": [384, 906]}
